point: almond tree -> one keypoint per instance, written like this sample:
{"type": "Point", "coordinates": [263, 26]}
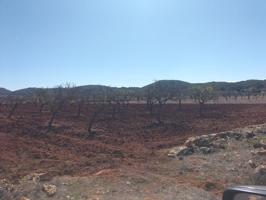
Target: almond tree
{"type": "Point", "coordinates": [58, 97]}
{"type": "Point", "coordinates": [117, 100]}
{"type": "Point", "coordinates": [1, 104]}
{"type": "Point", "coordinates": [13, 102]}
{"type": "Point", "coordinates": [202, 95]}
{"type": "Point", "coordinates": [98, 105]}
{"type": "Point", "coordinates": [161, 99]}
{"type": "Point", "coordinates": [112, 99]}
{"type": "Point", "coordinates": [158, 94]}
{"type": "Point", "coordinates": [180, 92]}
{"type": "Point", "coordinates": [98, 109]}
{"type": "Point", "coordinates": [80, 104]}
{"type": "Point", "coordinates": [41, 97]}
{"type": "Point", "coordinates": [150, 101]}
{"type": "Point", "coordinates": [80, 99]}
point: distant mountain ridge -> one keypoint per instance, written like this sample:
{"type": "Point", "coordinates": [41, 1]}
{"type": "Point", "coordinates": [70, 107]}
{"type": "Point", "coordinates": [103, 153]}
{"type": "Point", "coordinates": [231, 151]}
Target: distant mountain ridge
{"type": "Point", "coordinates": [241, 87]}
{"type": "Point", "coordinates": [4, 92]}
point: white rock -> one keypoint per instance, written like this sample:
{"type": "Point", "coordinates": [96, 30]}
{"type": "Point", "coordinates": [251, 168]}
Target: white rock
{"type": "Point", "coordinates": [50, 190]}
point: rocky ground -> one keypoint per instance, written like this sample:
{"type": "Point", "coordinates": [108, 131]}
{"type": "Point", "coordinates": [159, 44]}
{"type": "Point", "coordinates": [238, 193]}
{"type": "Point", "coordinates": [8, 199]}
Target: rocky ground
{"type": "Point", "coordinates": [200, 169]}
{"type": "Point", "coordinates": [226, 158]}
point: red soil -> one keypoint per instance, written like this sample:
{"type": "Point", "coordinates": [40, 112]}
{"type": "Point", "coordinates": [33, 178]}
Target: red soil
{"type": "Point", "coordinates": [132, 139]}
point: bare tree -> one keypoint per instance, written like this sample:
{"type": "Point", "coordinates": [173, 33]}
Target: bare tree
{"type": "Point", "coordinates": [41, 97]}
{"type": "Point", "coordinates": [117, 100]}
{"type": "Point", "coordinates": [1, 104]}
{"type": "Point", "coordinates": [150, 99]}
{"type": "Point", "coordinates": [80, 103]}
{"type": "Point", "coordinates": [126, 96]}
{"type": "Point", "coordinates": [98, 108]}
{"type": "Point", "coordinates": [79, 99]}
{"type": "Point", "coordinates": [98, 105]}
{"type": "Point", "coordinates": [13, 102]}
{"type": "Point", "coordinates": [58, 98]}
{"type": "Point", "coordinates": [157, 96]}
{"type": "Point", "coordinates": [180, 92]}
{"type": "Point", "coordinates": [202, 95]}
{"type": "Point", "coordinates": [111, 97]}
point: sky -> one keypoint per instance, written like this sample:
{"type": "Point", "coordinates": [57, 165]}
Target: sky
{"type": "Point", "coordinates": [44, 43]}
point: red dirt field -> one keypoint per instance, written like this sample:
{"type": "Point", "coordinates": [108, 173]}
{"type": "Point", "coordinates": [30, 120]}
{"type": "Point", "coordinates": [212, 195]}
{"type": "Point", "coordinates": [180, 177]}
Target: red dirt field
{"type": "Point", "coordinates": [133, 139]}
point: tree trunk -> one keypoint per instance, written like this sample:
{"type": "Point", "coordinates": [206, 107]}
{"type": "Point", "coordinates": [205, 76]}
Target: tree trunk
{"type": "Point", "coordinates": [113, 112]}
{"type": "Point", "coordinates": [50, 124]}
{"type": "Point", "coordinates": [93, 119]}
{"type": "Point", "coordinates": [41, 107]}
{"type": "Point", "coordinates": [151, 108]}
{"type": "Point", "coordinates": [159, 112]}
{"type": "Point", "coordinates": [201, 106]}
{"type": "Point", "coordinates": [79, 110]}
{"type": "Point", "coordinates": [55, 111]}
{"type": "Point", "coordinates": [91, 122]}
{"type": "Point", "coordinates": [148, 104]}
{"type": "Point", "coordinates": [179, 104]}
{"type": "Point", "coordinates": [118, 107]}
{"type": "Point", "coordinates": [12, 111]}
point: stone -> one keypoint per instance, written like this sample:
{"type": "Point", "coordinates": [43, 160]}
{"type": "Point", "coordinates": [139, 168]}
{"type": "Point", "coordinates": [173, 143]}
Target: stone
{"type": "Point", "coordinates": [235, 135]}
{"type": "Point", "coordinates": [6, 185]}
{"type": "Point", "coordinates": [261, 153]}
{"type": "Point", "coordinates": [24, 198]}
{"type": "Point", "coordinates": [181, 151]}
{"type": "Point", "coordinates": [257, 145]}
{"type": "Point", "coordinates": [50, 190]}
{"type": "Point", "coordinates": [224, 135]}
{"type": "Point", "coordinates": [250, 135]}
{"type": "Point", "coordinates": [190, 141]}
{"type": "Point", "coordinates": [206, 150]}
{"type": "Point", "coordinates": [203, 142]}
{"type": "Point", "coordinates": [214, 135]}
{"type": "Point", "coordinates": [261, 169]}
{"type": "Point", "coordinates": [181, 158]}
{"type": "Point", "coordinates": [48, 176]}
{"type": "Point", "coordinates": [2, 192]}
{"type": "Point", "coordinates": [259, 175]}
{"type": "Point", "coordinates": [219, 143]}
{"type": "Point", "coordinates": [209, 186]}
{"type": "Point", "coordinates": [252, 164]}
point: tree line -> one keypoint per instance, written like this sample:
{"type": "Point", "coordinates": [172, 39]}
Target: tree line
{"type": "Point", "coordinates": [156, 96]}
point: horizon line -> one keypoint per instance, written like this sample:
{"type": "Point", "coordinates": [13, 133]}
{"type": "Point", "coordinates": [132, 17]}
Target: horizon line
{"type": "Point", "coordinates": [103, 85]}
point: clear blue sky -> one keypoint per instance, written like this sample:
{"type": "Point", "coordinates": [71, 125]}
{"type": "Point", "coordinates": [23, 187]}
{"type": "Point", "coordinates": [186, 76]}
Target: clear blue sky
{"type": "Point", "coordinates": [130, 42]}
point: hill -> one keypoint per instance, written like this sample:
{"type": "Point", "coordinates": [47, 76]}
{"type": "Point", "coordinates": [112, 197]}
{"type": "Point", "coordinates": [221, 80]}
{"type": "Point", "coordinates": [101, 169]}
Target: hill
{"type": "Point", "coordinates": [242, 88]}
{"type": "Point", "coordinates": [27, 92]}
{"type": "Point", "coordinates": [4, 92]}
